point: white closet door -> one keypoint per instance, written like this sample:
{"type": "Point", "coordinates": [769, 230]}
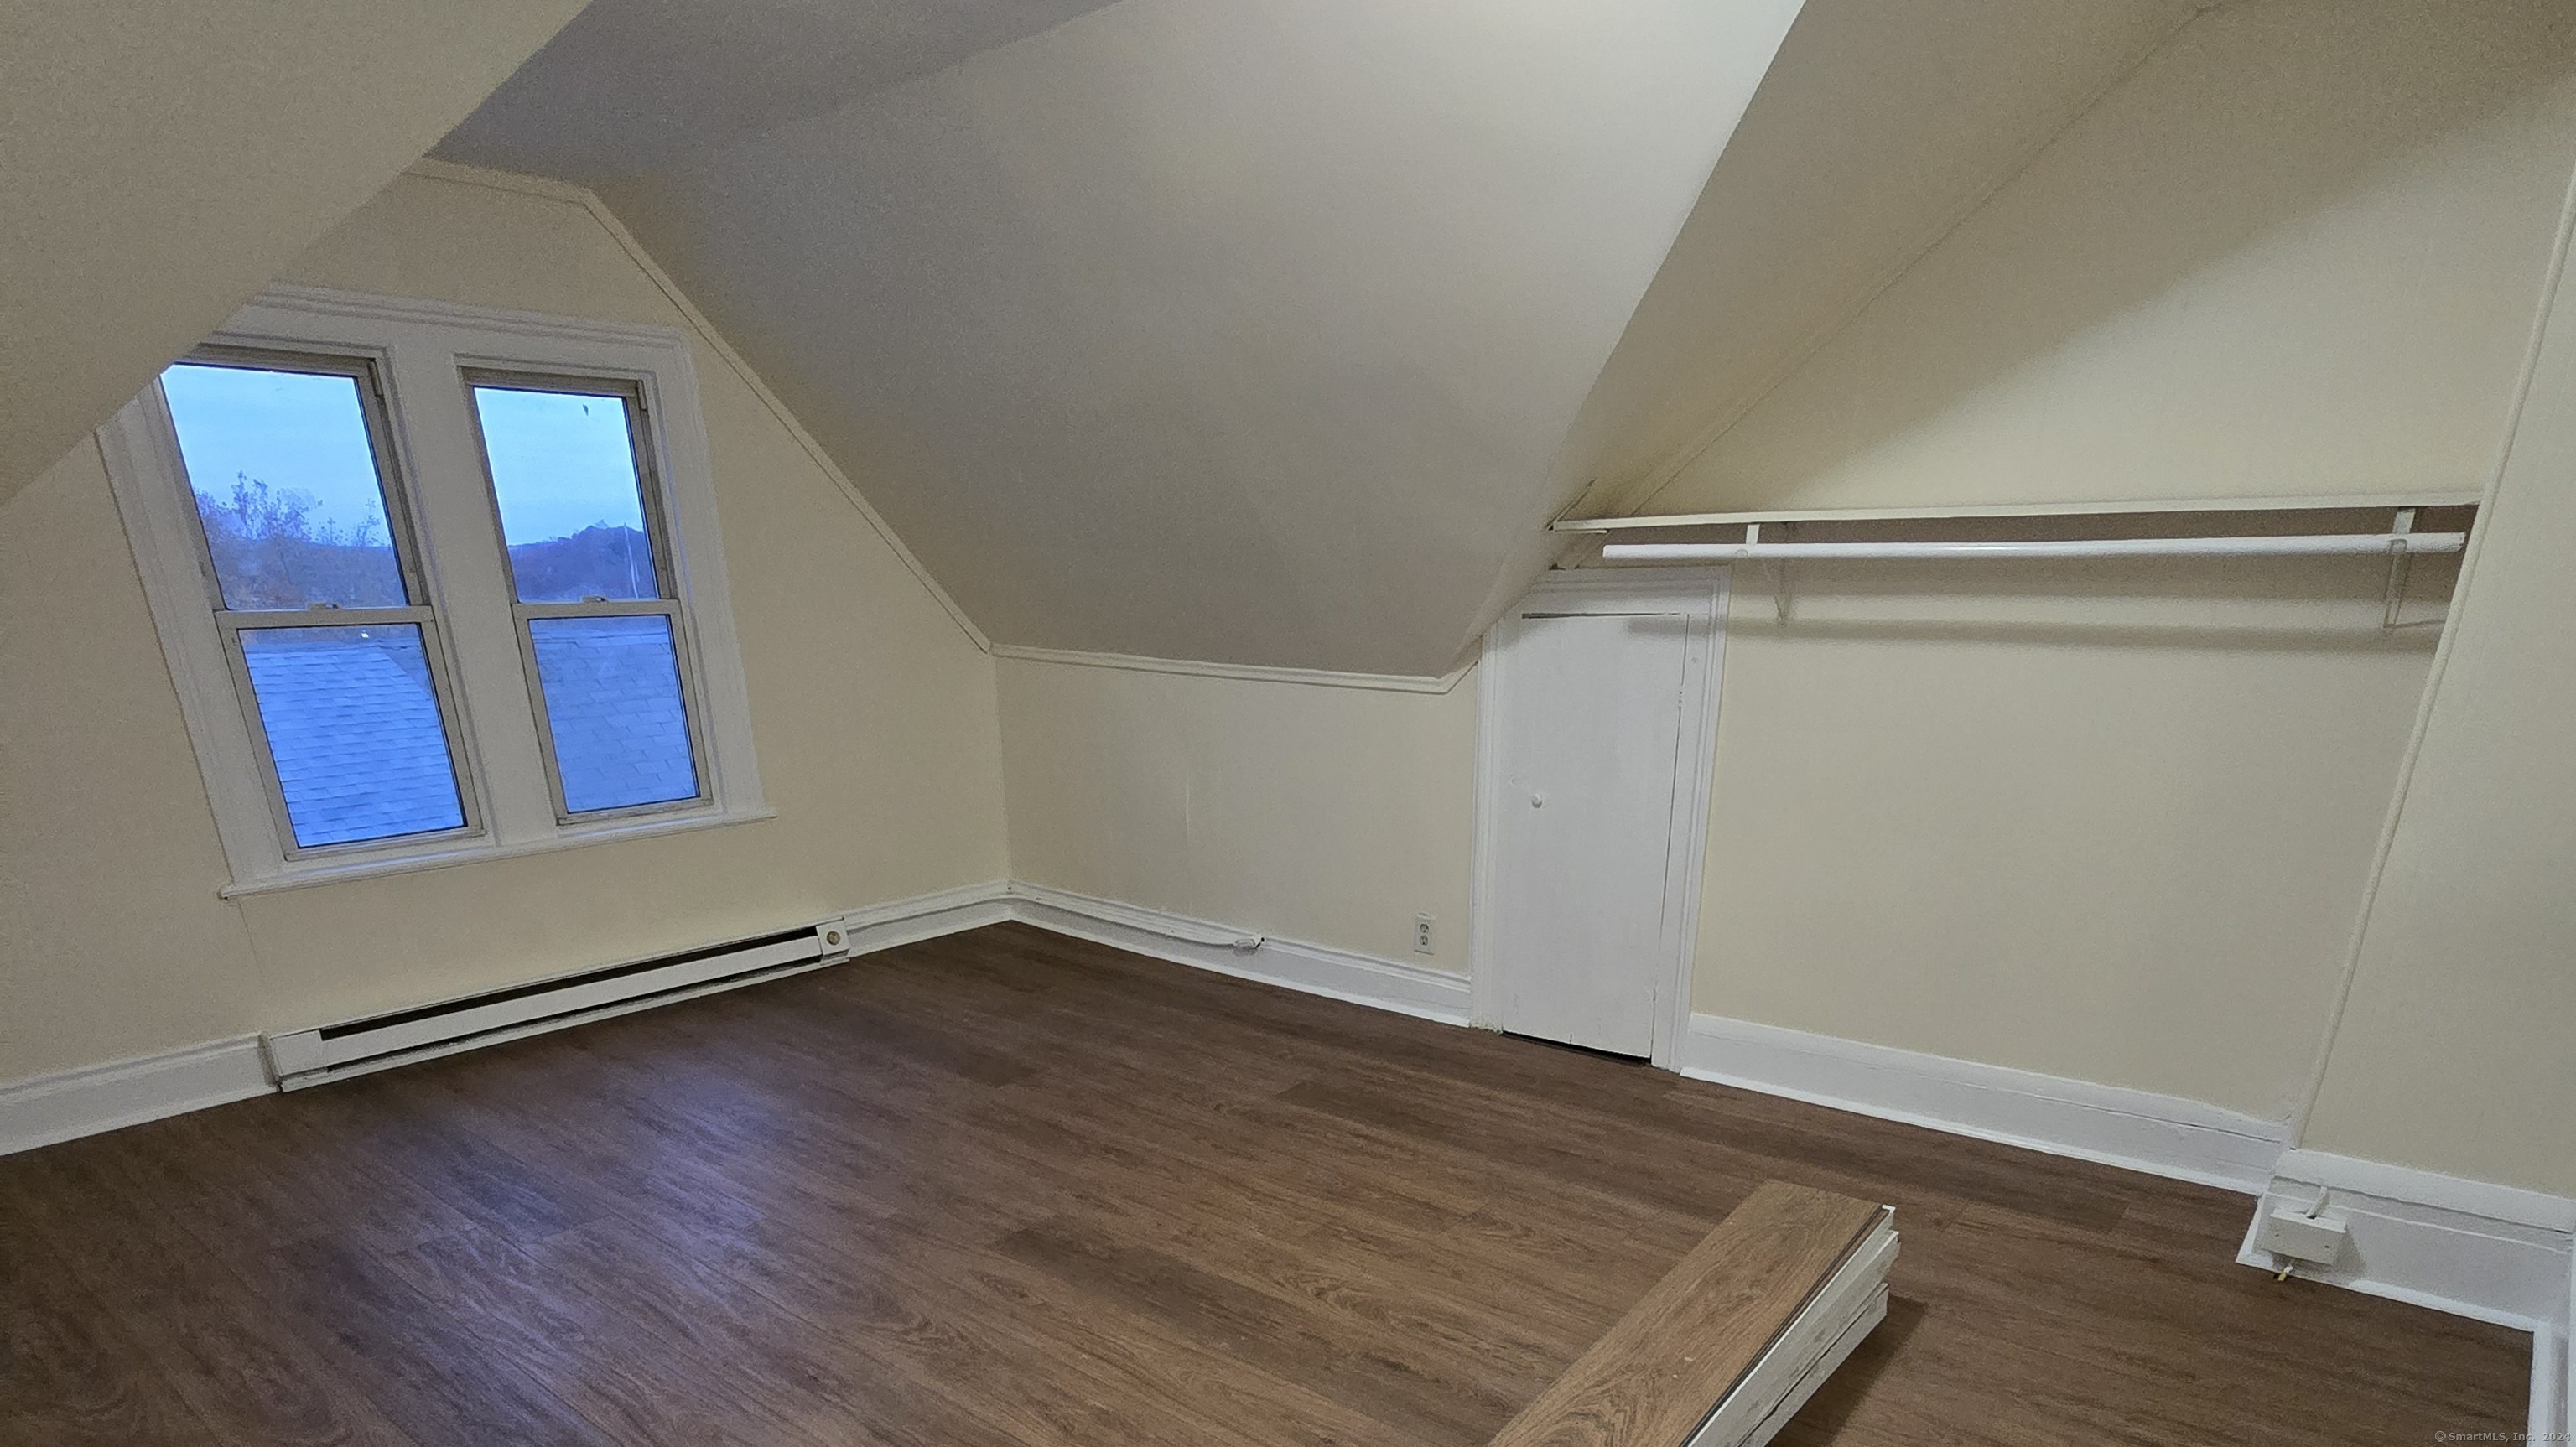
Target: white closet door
{"type": "Point", "coordinates": [1584, 824]}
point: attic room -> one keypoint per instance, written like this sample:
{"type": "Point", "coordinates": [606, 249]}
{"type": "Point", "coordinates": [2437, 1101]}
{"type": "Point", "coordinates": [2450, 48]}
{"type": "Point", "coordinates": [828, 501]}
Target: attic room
{"type": "Point", "coordinates": [1664, 723]}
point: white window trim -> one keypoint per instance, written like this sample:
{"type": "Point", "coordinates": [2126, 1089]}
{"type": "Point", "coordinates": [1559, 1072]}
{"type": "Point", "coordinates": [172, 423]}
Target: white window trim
{"type": "Point", "coordinates": [421, 350]}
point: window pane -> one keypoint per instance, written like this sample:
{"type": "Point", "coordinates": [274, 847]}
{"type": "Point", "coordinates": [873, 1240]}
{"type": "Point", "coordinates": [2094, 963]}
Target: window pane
{"type": "Point", "coordinates": [354, 726]}
{"type": "Point", "coordinates": [286, 484]}
{"type": "Point", "coordinates": [612, 689]}
{"type": "Point", "coordinates": [572, 515]}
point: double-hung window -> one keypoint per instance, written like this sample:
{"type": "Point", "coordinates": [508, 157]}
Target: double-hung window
{"type": "Point", "coordinates": [315, 583]}
{"type": "Point", "coordinates": [592, 593]}
{"type": "Point", "coordinates": [437, 585]}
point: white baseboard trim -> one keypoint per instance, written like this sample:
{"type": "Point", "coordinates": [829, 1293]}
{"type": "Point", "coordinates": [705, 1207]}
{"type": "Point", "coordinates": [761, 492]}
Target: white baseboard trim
{"type": "Point", "coordinates": [2471, 1248]}
{"type": "Point", "coordinates": [927, 916]}
{"type": "Point", "coordinates": [2549, 1384]}
{"type": "Point", "coordinates": [45, 1109]}
{"type": "Point", "coordinates": [2134, 1129]}
{"type": "Point", "coordinates": [1291, 964]}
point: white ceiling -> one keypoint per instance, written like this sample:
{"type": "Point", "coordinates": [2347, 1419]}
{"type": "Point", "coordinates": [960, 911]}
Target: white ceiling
{"type": "Point", "coordinates": [1273, 331]}
{"type": "Point", "coordinates": [632, 84]}
{"type": "Point", "coordinates": [161, 160]}
{"type": "Point", "coordinates": [1221, 329]}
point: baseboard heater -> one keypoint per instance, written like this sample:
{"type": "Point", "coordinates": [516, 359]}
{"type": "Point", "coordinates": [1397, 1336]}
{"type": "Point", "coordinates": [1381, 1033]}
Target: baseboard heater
{"type": "Point", "coordinates": [300, 1058]}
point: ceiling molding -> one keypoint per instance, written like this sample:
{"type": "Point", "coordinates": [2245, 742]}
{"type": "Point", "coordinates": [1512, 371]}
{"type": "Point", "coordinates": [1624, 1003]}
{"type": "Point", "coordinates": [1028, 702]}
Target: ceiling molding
{"type": "Point", "coordinates": [1249, 672]}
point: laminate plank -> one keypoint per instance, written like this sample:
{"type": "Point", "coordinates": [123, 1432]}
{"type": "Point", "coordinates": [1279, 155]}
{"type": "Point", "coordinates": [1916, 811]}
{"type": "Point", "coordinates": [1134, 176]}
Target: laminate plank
{"type": "Point", "coordinates": [609, 1343]}
{"type": "Point", "coordinates": [1961, 1168]}
{"type": "Point", "coordinates": [2060, 1288]}
{"type": "Point", "coordinates": [171, 1295]}
{"type": "Point", "coordinates": [1007, 1350]}
{"type": "Point", "coordinates": [71, 1375]}
{"type": "Point", "coordinates": [1376, 1292]}
{"type": "Point", "coordinates": [269, 1173]}
{"type": "Point", "coordinates": [1653, 1378]}
{"type": "Point", "coordinates": [516, 1199]}
{"type": "Point", "coordinates": [1240, 1203]}
{"type": "Point", "coordinates": [250, 1376]}
{"type": "Point", "coordinates": [446, 1380]}
{"type": "Point", "coordinates": [848, 1260]}
{"type": "Point", "coordinates": [1259, 1330]}
{"type": "Point", "coordinates": [1677, 1178]}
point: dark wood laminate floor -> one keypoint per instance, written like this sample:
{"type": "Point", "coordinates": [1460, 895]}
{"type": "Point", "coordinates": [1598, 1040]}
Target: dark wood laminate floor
{"type": "Point", "coordinates": [1011, 1188]}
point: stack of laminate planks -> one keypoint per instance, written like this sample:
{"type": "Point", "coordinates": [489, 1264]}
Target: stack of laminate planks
{"type": "Point", "coordinates": [1734, 1339]}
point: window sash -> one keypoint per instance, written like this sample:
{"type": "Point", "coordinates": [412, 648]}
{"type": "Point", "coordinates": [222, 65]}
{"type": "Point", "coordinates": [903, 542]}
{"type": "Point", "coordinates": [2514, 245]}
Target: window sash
{"type": "Point", "coordinates": [657, 535]}
{"type": "Point", "coordinates": [402, 535]}
{"type": "Point", "coordinates": [233, 623]}
{"type": "Point", "coordinates": [401, 531]}
{"type": "Point", "coordinates": [667, 609]}
{"type": "Point", "coordinates": [639, 446]}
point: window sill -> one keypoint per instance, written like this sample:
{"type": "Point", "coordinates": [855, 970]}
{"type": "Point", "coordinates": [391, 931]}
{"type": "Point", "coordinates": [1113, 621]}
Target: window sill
{"type": "Point", "coordinates": [305, 876]}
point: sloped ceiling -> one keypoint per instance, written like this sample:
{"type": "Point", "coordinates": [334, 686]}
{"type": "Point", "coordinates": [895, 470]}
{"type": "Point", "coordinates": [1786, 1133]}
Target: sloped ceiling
{"type": "Point", "coordinates": [1273, 331]}
{"type": "Point", "coordinates": [160, 161]}
{"type": "Point", "coordinates": [1879, 127]}
{"type": "Point", "coordinates": [1221, 329]}
{"type": "Point", "coordinates": [633, 84]}
{"type": "Point", "coordinates": [2295, 253]}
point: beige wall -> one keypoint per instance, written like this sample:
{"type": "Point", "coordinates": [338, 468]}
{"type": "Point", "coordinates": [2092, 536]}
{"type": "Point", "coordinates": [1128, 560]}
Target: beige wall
{"type": "Point", "coordinates": [2102, 822]}
{"type": "Point", "coordinates": [2117, 824]}
{"type": "Point", "coordinates": [112, 942]}
{"type": "Point", "coordinates": [872, 710]}
{"type": "Point", "coordinates": [160, 160]}
{"type": "Point", "coordinates": [2296, 252]}
{"type": "Point", "coordinates": [2457, 1052]}
{"type": "Point", "coordinates": [1323, 814]}
{"type": "Point", "coordinates": [2110, 824]}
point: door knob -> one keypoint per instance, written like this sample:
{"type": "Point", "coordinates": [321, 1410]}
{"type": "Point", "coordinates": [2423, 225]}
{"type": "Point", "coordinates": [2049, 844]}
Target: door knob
{"type": "Point", "coordinates": [1537, 800]}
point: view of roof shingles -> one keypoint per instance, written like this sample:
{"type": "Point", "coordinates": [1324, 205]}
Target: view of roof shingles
{"type": "Point", "coordinates": [355, 732]}
{"type": "Point", "coordinates": [361, 755]}
{"type": "Point", "coordinates": [613, 697]}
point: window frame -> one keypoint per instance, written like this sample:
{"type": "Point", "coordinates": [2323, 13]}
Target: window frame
{"type": "Point", "coordinates": [421, 611]}
{"type": "Point", "coordinates": [658, 535]}
{"type": "Point", "coordinates": [430, 452]}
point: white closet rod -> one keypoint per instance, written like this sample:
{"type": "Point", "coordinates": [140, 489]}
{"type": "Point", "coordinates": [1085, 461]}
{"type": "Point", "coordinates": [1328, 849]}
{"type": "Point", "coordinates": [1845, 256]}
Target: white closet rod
{"type": "Point", "coordinates": [2286, 546]}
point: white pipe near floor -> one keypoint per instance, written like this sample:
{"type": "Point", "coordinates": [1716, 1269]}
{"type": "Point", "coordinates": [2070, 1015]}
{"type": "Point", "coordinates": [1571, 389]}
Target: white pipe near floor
{"type": "Point", "coordinates": [2287, 546]}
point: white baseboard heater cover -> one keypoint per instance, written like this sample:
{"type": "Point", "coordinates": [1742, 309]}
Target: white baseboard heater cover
{"type": "Point", "coordinates": [355, 1047]}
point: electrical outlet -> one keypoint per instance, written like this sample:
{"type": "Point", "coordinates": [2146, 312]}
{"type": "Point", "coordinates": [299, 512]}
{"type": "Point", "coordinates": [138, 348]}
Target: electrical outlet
{"type": "Point", "coordinates": [1422, 934]}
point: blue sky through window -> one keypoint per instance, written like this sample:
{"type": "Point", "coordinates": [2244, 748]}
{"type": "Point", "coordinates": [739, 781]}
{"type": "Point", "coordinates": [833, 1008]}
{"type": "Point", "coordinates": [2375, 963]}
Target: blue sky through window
{"type": "Point", "coordinates": [286, 484]}
{"type": "Point", "coordinates": [296, 431]}
{"type": "Point", "coordinates": [561, 462]}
